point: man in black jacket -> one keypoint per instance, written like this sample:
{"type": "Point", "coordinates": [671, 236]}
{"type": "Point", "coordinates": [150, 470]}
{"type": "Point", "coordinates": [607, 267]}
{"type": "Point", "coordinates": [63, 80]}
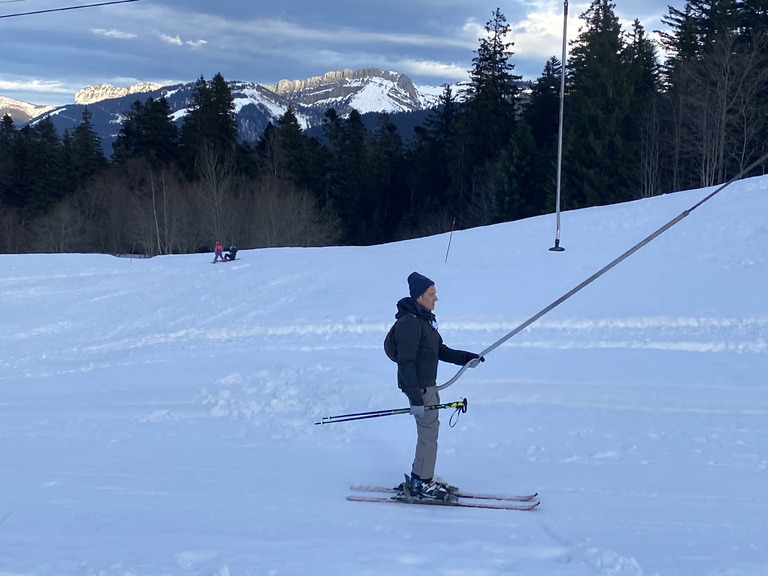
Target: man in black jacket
{"type": "Point", "coordinates": [419, 348]}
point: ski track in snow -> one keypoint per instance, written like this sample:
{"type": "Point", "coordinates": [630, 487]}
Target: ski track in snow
{"type": "Point", "coordinates": [712, 335]}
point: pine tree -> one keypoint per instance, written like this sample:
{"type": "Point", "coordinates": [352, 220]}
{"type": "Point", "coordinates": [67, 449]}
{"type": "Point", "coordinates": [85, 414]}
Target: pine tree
{"type": "Point", "coordinates": [600, 162]}
{"type": "Point", "coordinates": [333, 130]}
{"type": "Point", "coordinates": [7, 129]}
{"type": "Point", "coordinates": [33, 178]}
{"type": "Point", "coordinates": [388, 189]}
{"type": "Point", "coordinates": [148, 131]}
{"type": "Point", "coordinates": [210, 126]}
{"type": "Point", "coordinates": [293, 148]}
{"type": "Point", "coordinates": [349, 188]}
{"type": "Point", "coordinates": [50, 171]}
{"type": "Point", "coordinates": [643, 124]}
{"type": "Point", "coordinates": [8, 142]}
{"type": "Point", "coordinates": [542, 110]}
{"type": "Point", "coordinates": [485, 125]}
{"type": "Point", "coordinates": [85, 156]}
{"type": "Point", "coordinates": [492, 92]}
{"type": "Point", "coordinates": [435, 180]}
{"type": "Point", "coordinates": [526, 177]}
{"type": "Point", "coordinates": [428, 206]}
{"type": "Point", "coordinates": [441, 122]}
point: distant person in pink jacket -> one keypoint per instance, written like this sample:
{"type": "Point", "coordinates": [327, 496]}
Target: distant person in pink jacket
{"type": "Point", "coordinates": [218, 253]}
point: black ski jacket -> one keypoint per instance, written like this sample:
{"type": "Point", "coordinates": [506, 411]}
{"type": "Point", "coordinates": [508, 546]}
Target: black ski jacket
{"type": "Point", "coordinates": [419, 348]}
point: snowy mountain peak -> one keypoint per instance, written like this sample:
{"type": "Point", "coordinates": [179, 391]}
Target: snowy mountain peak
{"type": "Point", "coordinates": [337, 77]}
{"type": "Point", "coordinates": [99, 92]}
{"type": "Point", "coordinates": [365, 89]}
{"type": "Point", "coordinates": [21, 111]}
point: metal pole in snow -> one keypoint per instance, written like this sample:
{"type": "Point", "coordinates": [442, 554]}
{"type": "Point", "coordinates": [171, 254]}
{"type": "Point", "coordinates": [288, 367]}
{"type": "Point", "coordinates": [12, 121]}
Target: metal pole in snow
{"type": "Point", "coordinates": [556, 247]}
{"type": "Point", "coordinates": [450, 237]}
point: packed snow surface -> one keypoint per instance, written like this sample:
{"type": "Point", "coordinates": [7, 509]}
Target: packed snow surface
{"type": "Point", "coordinates": [157, 415]}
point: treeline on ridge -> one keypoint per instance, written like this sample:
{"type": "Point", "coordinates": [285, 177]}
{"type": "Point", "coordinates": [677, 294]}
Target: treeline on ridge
{"type": "Point", "coordinates": [635, 126]}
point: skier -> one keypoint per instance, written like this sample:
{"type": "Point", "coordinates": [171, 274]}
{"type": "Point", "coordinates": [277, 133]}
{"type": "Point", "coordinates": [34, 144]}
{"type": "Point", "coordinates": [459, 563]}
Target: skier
{"type": "Point", "coordinates": [218, 253]}
{"type": "Point", "coordinates": [419, 348]}
{"type": "Point", "coordinates": [231, 253]}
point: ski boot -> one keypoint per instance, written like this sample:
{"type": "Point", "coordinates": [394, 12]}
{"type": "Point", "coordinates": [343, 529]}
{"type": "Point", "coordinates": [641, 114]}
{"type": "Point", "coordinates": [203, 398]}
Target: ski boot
{"type": "Point", "coordinates": [414, 487]}
{"type": "Point", "coordinates": [448, 488]}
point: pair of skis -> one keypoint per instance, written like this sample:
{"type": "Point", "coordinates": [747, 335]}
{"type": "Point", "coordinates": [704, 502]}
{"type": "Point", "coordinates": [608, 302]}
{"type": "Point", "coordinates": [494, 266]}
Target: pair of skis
{"type": "Point", "coordinates": [365, 493]}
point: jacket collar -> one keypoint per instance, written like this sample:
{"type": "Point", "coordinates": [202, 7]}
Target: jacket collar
{"type": "Point", "coordinates": [408, 305]}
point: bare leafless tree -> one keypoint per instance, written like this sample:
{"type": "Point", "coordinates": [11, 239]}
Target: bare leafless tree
{"type": "Point", "coordinates": [217, 174]}
{"type": "Point", "coordinates": [58, 231]}
{"type": "Point", "coordinates": [650, 150]}
{"type": "Point", "coordinates": [723, 106]}
{"type": "Point", "coordinates": [280, 214]}
{"type": "Point", "coordinates": [11, 231]}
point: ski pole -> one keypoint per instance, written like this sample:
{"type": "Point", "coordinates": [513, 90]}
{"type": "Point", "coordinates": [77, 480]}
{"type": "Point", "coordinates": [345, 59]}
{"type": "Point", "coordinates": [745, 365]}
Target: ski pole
{"type": "Point", "coordinates": [460, 405]}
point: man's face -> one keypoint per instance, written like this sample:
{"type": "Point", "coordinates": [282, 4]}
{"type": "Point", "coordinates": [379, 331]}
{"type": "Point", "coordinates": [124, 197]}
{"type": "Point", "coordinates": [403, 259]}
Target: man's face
{"type": "Point", "coordinates": [428, 299]}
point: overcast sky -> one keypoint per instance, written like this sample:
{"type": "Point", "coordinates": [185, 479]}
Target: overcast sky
{"type": "Point", "coordinates": [45, 58]}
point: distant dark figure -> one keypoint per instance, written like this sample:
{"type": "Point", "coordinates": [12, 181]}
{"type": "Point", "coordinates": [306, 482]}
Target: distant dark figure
{"type": "Point", "coordinates": [231, 253]}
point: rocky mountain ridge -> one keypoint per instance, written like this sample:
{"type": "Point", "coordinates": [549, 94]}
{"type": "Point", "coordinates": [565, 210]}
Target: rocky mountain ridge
{"type": "Point", "coordinates": [367, 90]}
{"type": "Point", "coordinates": [99, 92]}
{"type": "Point", "coordinates": [341, 77]}
{"type": "Point", "coordinates": [22, 111]}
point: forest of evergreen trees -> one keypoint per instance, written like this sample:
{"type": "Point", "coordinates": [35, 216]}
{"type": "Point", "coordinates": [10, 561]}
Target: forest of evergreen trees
{"type": "Point", "coordinates": [636, 125]}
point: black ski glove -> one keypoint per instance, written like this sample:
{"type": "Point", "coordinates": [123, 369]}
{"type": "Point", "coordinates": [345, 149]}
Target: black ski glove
{"type": "Point", "coordinates": [469, 356]}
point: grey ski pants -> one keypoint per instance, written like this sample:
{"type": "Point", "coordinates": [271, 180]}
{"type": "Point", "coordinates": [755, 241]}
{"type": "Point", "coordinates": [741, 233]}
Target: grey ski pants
{"type": "Point", "coordinates": [427, 428]}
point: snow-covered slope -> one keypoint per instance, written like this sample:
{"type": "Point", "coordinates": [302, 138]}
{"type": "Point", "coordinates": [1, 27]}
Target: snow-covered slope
{"type": "Point", "coordinates": [157, 415]}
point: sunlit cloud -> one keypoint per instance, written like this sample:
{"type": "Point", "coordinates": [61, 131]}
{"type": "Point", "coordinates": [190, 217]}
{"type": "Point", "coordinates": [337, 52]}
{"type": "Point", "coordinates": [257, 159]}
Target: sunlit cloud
{"type": "Point", "coordinates": [42, 86]}
{"type": "Point", "coordinates": [114, 33]}
{"type": "Point", "coordinates": [177, 41]}
{"type": "Point", "coordinates": [453, 71]}
{"type": "Point", "coordinates": [541, 34]}
{"type": "Point", "coordinates": [474, 29]}
{"type": "Point", "coordinates": [174, 40]}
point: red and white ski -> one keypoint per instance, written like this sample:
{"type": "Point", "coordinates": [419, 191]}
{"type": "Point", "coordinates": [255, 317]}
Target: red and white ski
{"type": "Point", "coordinates": [460, 493]}
{"type": "Point", "coordinates": [495, 505]}
{"type": "Point", "coordinates": [458, 499]}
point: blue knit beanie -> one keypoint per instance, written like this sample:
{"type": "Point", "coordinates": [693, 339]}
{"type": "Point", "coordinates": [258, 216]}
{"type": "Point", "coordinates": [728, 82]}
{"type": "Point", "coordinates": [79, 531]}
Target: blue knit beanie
{"type": "Point", "coordinates": [418, 284]}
